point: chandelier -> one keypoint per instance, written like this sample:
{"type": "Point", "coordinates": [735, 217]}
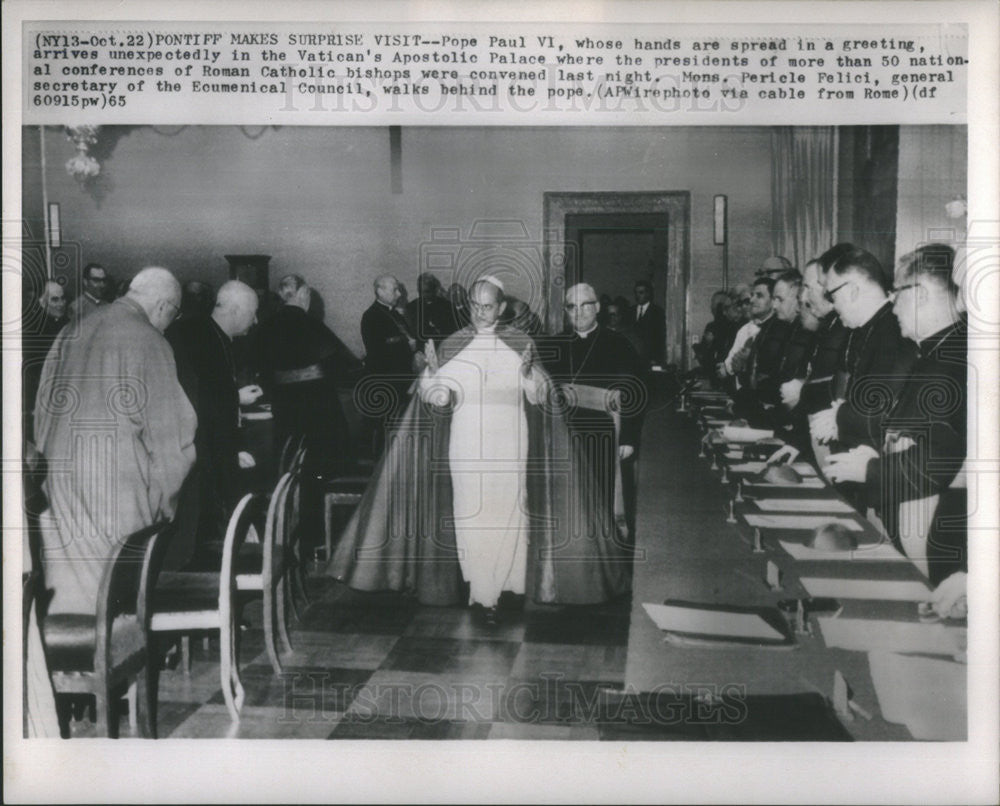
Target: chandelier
{"type": "Point", "coordinates": [82, 166]}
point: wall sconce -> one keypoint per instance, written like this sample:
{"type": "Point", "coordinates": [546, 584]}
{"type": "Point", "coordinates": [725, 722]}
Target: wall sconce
{"type": "Point", "coordinates": [720, 220]}
{"type": "Point", "coordinates": [54, 226]}
{"type": "Point", "coordinates": [81, 166]}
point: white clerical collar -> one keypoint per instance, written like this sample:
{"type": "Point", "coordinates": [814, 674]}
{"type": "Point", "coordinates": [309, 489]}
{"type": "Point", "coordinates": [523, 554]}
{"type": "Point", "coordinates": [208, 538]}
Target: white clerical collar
{"type": "Point", "coordinates": [385, 305]}
{"type": "Point", "coordinates": [486, 330]}
{"type": "Point", "coordinates": [584, 333]}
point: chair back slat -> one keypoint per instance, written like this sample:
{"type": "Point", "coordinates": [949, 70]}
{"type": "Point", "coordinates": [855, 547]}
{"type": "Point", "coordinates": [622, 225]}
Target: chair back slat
{"type": "Point", "coordinates": [246, 516]}
{"type": "Point", "coordinates": [120, 586]}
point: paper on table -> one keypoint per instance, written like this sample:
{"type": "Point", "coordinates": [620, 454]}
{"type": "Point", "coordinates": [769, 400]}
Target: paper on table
{"type": "Point", "coordinates": [925, 694]}
{"type": "Point", "coordinates": [865, 635]}
{"type": "Point", "coordinates": [802, 468]}
{"type": "Point", "coordinates": [711, 622]}
{"type": "Point", "coordinates": [733, 433]}
{"type": "Point", "coordinates": [769, 521]}
{"type": "Point", "coordinates": [872, 551]}
{"type": "Point", "coordinates": [804, 505]}
{"type": "Point", "coordinates": [811, 482]}
{"type": "Point", "coordinates": [885, 590]}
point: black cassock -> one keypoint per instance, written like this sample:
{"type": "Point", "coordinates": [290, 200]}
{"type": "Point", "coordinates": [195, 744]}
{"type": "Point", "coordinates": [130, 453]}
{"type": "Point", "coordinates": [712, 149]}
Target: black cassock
{"type": "Point", "coordinates": [604, 359]}
{"type": "Point", "coordinates": [206, 369]}
{"type": "Point", "coordinates": [302, 359]}
{"type": "Point", "coordinates": [930, 412]}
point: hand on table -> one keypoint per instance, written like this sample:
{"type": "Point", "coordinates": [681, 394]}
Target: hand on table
{"type": "Point", "coordinates": [246, 461]}
{"type": "Point", "coordinates": [791, 392]}
{"type": "Point", "coordinates": [250, 394]}
{"type": "Point", "coordinates": [823, 424]}
{"type": "Point", "coordinates": [786, 453]}
{"type": "Point", "coordinates": [849, 466]}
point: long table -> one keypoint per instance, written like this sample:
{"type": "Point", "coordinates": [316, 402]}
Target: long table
{"type": "Point", "coordinates": [686, 550]}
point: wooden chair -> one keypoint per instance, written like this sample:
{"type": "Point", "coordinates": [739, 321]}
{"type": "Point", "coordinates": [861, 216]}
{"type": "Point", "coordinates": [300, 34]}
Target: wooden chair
{"type": "Point", "coordinates": [189, 601]}
{"type": "Point", "coordinates": [263, 567]}
{"type": "Point", "coordinates": [99, 654]}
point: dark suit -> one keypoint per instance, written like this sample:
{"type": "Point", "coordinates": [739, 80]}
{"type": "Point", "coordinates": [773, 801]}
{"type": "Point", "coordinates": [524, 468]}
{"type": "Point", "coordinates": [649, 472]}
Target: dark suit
{"type": "Point", "coordinates": [651, 328]}
{"type": "Point", "coordinates": [930, 411]}
{"type": "Point", "coordinates": [878, 361]}
{"type": "Point", "coordinates": [206, 370]}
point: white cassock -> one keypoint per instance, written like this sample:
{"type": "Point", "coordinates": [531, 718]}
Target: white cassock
{"type": "Point", "coordinates": [487, 451]}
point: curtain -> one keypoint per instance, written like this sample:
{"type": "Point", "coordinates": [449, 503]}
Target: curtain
{"type": "Point", "coordinates": [803, 191]}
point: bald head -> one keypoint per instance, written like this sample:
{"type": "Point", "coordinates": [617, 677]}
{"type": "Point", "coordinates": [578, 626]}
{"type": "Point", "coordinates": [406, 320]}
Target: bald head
{"type": "Point", "coordinates": [53, 300]}
{"type": "Point", "coordinates": [386, 289]}
{"type": "Point", "coordinates": [235, 308]}
{"type": "Point", "coordinates": [158, 293]}
{"type": "Point", "coordinates": [582, 307]}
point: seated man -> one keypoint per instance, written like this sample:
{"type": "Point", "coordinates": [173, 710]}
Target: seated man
{"type": "Point", "coordinates": [480, 481]}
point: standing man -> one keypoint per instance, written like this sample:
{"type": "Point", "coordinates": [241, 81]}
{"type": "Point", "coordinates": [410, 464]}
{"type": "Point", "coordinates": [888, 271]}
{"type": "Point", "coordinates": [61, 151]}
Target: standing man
{"type": "Point", "coordinates": [488, 450]}
{"type": "Point", "coordinates": [598, 357]}
{"type": "Point", "coordinates": [877, 359]}
{"type": "Point", "coordinates": [390, 347]}
{"type": "Point", "coordinates": [41, 324]}
{"type": "Point", "coordinates": [117, 431]}
{"type": "Point", "coordinates": [95, 281]}
{"type": "Point", "coordinates": [916, 474]}
{"type": "Point", "coordinates": [300, 359]}
{"type": "Point", "coordinates": [429, 316]}
{"type": "Point", "coordinates": [650, 323]}
{"type": "Point", "coordinates": [484, 484]}
{"type": "Point", "coordinates": [203, 349]}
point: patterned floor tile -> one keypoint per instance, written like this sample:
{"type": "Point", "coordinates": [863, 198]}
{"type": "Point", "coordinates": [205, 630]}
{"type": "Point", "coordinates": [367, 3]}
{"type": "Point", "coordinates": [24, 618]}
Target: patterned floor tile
{"type": "Point", "coordinates": [214, 722]}
{"type": "Point", "coordinates": [357, 618]}
{"type": "Point", "coordinates": [390, 694]}
{"type": "Point", "coordinates": [344, 651]}
{"type": "Point", "coordinates": [571, 661]}
{"type": "Point", "coordinates": [452, 656]}
{"type": "Point", "coordinates": [463, 623]}
{"type": "Point", "coordinates": [301, 688]}
{"type": "Point", "coordinates": [579, 625]}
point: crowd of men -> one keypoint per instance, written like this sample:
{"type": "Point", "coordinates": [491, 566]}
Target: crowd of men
{"type": "Point", "coordinates": [863, 372]}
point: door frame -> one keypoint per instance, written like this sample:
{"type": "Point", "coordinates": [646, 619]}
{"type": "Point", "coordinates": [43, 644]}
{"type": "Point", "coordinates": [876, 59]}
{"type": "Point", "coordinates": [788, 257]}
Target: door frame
{"type": "Point", "coordinates": [675, 204]}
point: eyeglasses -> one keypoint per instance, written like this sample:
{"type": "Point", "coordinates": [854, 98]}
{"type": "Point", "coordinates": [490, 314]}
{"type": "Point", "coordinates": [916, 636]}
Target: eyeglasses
{"type": "Point", "coordinates": [485, 307]}
{"type": "Point", "coordinates": [897, 291]}
{"type": "Point", "coordinates": [570, 307]}
{"type": "Point", "coordinates": [828, 294]}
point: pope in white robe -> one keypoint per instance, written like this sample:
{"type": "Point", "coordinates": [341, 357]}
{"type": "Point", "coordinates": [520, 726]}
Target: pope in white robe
{"type": "Point", "coordinates": [488, 449]}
